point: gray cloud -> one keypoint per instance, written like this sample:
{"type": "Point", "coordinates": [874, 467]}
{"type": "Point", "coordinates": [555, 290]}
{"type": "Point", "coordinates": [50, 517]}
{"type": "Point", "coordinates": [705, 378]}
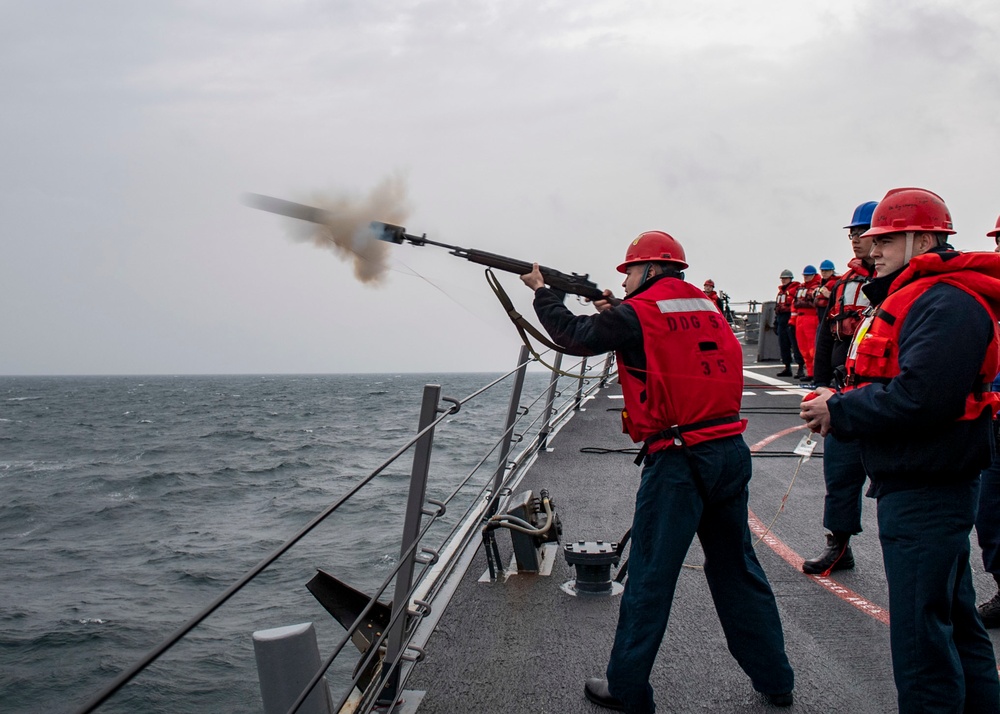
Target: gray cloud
{"type": "Point", "coordinates": [552, 132]}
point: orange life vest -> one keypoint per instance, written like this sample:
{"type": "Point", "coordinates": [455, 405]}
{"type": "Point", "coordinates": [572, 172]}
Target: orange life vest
{"type": "Point", "coordinates": [847, 302]}
{"type": "Point", "coordinates": [786, 294]}
{"type": "Point", "coordinates": [805, 296]}
{"type": "Point", "coordinates": [824, 300]}
{"type": "Point", "coordinates": [694, 369]}
{"type": "Point", "coordinates": [874, 352]}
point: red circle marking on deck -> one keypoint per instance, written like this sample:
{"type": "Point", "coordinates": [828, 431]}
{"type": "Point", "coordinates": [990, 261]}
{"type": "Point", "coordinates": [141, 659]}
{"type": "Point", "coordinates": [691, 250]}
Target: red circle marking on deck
{"type": "Point", "coordinates": [795, 560]}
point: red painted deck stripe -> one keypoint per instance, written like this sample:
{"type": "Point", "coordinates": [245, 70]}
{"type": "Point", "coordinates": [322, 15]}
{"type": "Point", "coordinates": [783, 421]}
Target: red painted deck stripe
{"type": "Point", "coordinates": [795, 560]}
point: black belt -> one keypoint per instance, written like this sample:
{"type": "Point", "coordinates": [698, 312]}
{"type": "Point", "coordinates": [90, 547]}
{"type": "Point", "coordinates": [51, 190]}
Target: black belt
{"type": "Point", "coordinates": [675, 433]}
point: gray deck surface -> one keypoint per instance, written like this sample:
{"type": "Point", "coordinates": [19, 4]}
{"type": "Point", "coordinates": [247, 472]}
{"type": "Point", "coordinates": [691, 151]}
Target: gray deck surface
{"type": "Point", "coordinates": [525, 645]}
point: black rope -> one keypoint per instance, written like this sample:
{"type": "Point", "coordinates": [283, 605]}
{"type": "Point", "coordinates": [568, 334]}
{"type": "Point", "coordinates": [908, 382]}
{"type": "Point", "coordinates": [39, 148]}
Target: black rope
{"type": "Point", "coordinates": [603, 450]}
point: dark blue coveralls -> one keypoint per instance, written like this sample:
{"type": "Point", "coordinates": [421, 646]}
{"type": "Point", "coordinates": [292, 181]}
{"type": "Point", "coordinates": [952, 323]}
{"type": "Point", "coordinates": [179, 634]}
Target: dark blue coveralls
{"type": "Point", "coordinates": [988, 518]}
{"type": "Point", "coordinates": [843, 471]}
{"type": "Point", "coordinates": [924, 466]}
{"type": "Point", "coordinates": [787, 344]}
{"type": "Point", "coordinates": [669, 511]}
{"type": "Point", "coordinates": [786, 338]}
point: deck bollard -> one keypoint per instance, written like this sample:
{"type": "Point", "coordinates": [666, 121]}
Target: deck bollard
{"type": "Point", "coordinates": [593, 561]}
{"type": "Point", "coordinates": [287, 658]}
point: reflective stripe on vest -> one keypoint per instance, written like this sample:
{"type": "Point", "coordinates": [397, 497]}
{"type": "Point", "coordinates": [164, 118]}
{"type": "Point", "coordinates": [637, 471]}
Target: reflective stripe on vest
{"type": "Point", "coordinates": [687, 305]}
{"type": "Point", "coordinates": [694, 366]}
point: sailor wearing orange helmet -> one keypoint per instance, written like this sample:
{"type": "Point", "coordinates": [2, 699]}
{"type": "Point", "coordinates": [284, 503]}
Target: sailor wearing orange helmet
{"type": "Point", "coordinates": [681, 373]}
{"type": "Point", "coordinates": [709, 289]}
{"type": "Point", "coordinates": [988, 517]}
{"type": "Point", "coordinates": [917, 373]}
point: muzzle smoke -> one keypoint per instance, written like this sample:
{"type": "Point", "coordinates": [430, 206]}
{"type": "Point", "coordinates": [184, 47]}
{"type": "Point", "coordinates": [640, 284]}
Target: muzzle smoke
{"type": "Point", "coordinates": [347, 232]}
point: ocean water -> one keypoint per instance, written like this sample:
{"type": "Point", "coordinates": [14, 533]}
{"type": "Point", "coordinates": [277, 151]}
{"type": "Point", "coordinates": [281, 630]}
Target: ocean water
{"type": "Point", "coordinates": [130, 503]}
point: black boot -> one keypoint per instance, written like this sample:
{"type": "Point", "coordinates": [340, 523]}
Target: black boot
{"type": "Point", "coordinates": [786, 372]}
{"type": "Point", "coordinates": [989, 612]}
{"type": "Point", "coordinates": [801, 373]}
{"type": "Point", "coordinates": [836, 556]}
{"type": "Point", "coordinates": [596, 690]}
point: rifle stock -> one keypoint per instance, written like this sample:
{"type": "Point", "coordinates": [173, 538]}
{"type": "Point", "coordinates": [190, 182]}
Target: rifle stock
{"type": "Point", "coordinates": [568, 283]}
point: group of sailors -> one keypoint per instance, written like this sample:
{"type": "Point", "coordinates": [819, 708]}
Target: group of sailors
{"type": "Point", "coordinates": [861, 333]}
{"type": "Point", "coordinates": [822, 298]}
{"type": "Point", "coordinates": [902, 349]}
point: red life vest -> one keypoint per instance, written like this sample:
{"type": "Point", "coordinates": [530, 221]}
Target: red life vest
{"type": "Point", "coordinates": [786, 293]}
{"type": "Point", "coordinates": [805, 296]}
{"type": "Point", "coordinates": [824, 300]}
{"type": "Point", "coordinates": [694, 369]}
{"type": "Point", "coordinates": [847, 302]}
{"type": "Point", "coordinates": [714, 297]}
{"type": "Point", "coordinates": [874, 353]}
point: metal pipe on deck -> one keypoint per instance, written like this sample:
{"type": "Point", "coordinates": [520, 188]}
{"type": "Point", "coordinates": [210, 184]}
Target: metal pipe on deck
{"type": "Point", "coordinates": [607, 370]}
{"type": "Point", "coordinates": [549, 402]}
{"type": "Point", "coordinates": [578, 399]}
{"type": "Point", "coordinates": [512, 410]}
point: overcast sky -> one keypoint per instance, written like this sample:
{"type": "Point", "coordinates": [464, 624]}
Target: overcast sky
{"type": "Point", "coordinates": [549, 131]}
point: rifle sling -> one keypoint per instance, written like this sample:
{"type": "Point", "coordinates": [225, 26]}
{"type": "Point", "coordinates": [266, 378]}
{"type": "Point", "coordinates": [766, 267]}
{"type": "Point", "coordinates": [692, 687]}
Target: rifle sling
{"type": "Point", "coordinates": [523, 326]}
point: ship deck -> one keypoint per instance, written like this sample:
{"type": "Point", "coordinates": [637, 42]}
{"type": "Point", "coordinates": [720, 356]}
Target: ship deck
{"type": "Point", "coordinates": [525, 645]}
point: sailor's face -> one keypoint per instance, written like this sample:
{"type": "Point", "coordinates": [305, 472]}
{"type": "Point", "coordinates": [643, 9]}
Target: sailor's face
{"type": "Point", "coordinates": [862, 246]}
{"type": "Point", "coordinates": [635, 274]}
{"type": "Point", "coordinates": [888, 253]}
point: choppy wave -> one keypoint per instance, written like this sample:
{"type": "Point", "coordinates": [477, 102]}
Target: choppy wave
{"type": "Point", "coordinates": [131, 503]}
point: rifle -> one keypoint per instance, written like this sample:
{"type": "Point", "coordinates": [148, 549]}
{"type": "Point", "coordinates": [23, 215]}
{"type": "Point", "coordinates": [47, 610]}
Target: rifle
{"type": "Point", "coordinates": [570, 283]}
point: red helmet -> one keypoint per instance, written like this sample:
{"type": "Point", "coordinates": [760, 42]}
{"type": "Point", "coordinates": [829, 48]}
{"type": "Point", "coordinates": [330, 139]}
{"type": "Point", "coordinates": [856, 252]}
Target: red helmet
{"type": "Point", "coordinates": [995, 233]}
{"type": "Point", "coordinates": [654, 247]}
{"type": "Point", "coordinates": [710, 282]}
{"type": "Point", "coordinates": [910, 209]}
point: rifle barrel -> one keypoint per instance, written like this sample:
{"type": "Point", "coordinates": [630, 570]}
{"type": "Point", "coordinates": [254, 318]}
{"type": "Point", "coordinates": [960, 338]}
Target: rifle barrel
{"type": "Point", "coordinates": [287, 208]}
{"type": "Point", "coordinates": [570, 283]}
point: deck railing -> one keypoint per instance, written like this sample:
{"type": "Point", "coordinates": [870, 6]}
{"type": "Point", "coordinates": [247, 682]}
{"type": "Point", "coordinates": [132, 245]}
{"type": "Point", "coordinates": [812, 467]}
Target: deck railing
{"type": "Point", "coordinates": [426, 574]}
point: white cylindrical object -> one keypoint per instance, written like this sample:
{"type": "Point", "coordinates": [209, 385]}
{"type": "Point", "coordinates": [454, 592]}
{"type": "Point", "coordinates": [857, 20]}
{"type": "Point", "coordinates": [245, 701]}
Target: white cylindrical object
{"type": "Point", "coordinates": [287, 658]}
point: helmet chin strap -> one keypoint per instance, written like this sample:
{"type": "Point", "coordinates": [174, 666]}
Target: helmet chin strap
{"type": "Point", "coordinates": [909, 248]}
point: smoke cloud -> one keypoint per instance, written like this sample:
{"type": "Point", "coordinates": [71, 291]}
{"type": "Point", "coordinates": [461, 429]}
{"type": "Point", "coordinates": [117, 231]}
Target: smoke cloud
{"type": "Point", "coordinates": [347, 231]}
